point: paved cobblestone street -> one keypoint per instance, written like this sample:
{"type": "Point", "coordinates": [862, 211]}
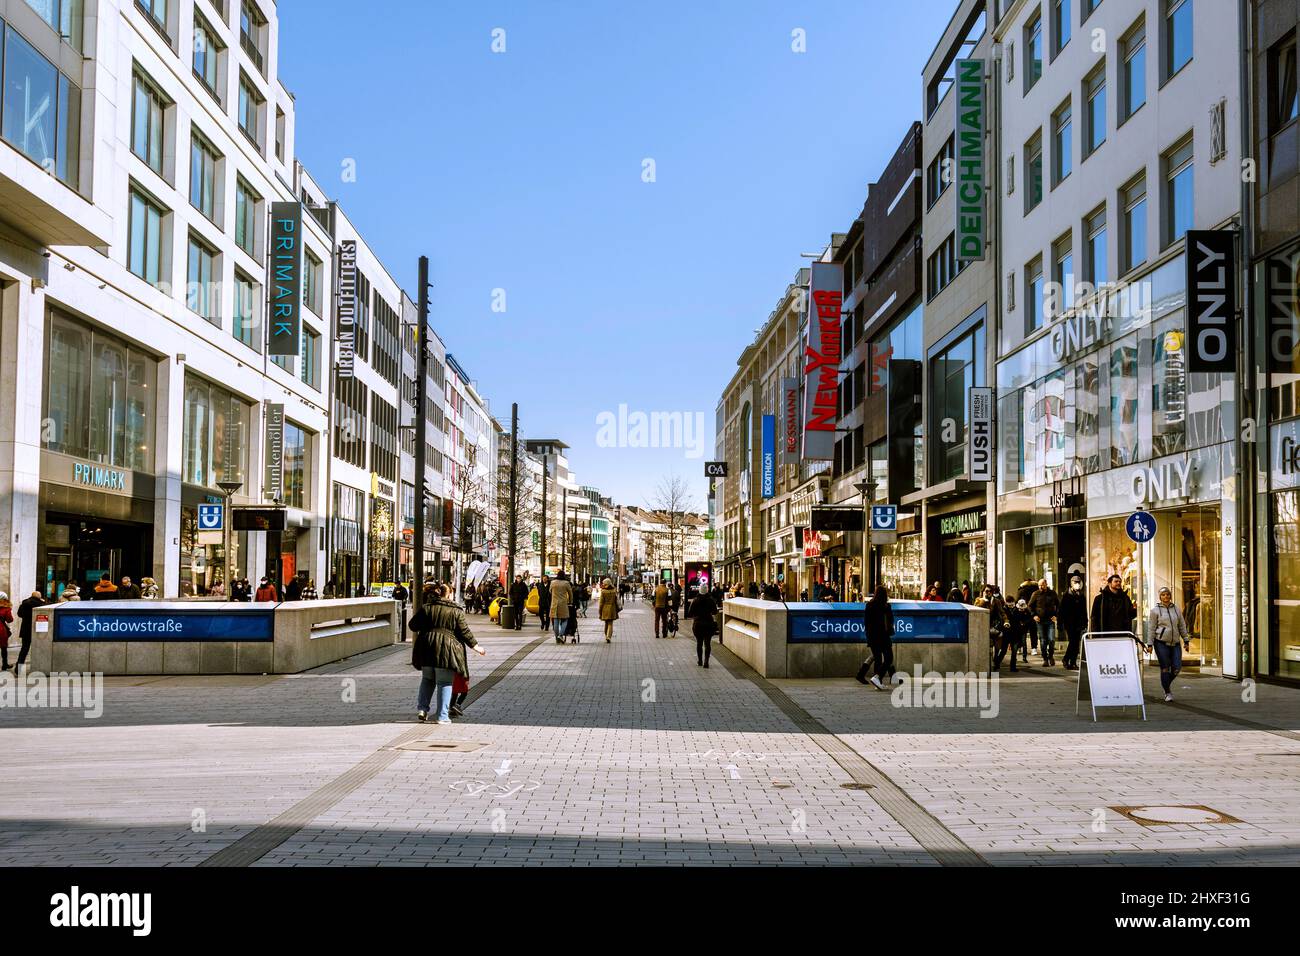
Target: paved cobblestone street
{"type": "Point", "coordinates": [630, 753]}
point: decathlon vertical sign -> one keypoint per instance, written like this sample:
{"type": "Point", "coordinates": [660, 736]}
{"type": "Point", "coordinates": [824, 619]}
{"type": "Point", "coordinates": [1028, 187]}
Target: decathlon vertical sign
{"type": "Point", "coordinates": [769, 457]}
{"type": "Point", "coordinates": [345, 335]}
{"type": "Point", "coordinates": [286, 278]}
{"type": "Point", "coordinates": [979, 450]}
{"type": "Point", "coordinates": [822, 353]}
{"type": "Point", "coordinates": [968, 139]}
{"type": "Point", "coordinates": [1211, 300]}
{"type": "Point", "coordinates": [273, 458]}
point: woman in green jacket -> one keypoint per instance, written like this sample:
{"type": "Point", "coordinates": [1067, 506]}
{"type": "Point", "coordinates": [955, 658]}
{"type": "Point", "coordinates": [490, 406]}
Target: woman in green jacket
{"type": "Point", "coordinates": [441, 635]}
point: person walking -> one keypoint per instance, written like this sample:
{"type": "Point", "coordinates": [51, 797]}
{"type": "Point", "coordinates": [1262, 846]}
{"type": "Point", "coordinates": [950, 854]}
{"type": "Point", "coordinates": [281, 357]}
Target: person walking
{"type": "Point", "coordinates": [70, 593]}
{"type": "Point", "coordinates": [1169, 634]}
{"type": "Point", "coordinates": [105, 590]}
{"type": "Point", "coordinates": [879, 620]}
{"type": "Point", "coordinates": [544, 601]}
{"type": "Point", "coordinates": [1001, 630]}
{"type": "Point", "coordinates": [266, 591]}
{"type": "Point", "coordinates": [25, 628]}
{"type": "Point", "coordinates": [293, 590]}
{"type": "Point", "coordinates": [1022, 624]}
{"type": "Point", "coordinates": [309, 594]}
{"type": "Point", "coordinates": [441, 635]}
{"type": "Point", "coordinates": [6, 629]}
{"type": "Point", "coordinates": [149, 590]}
{"type": "Point", "coordinates": [1112, 609]}
{"type": "Point", "coordinates": [661, 609]}
{"type": "Point", "coordinates": [1045, 607]}
{"type": "Point", "coordinates": [584, 597]}
{"type": "Point", "coordinates": [1074, 620]}
{"type": "Point", "coordinates": [332, 587]}
{"type": "Point", "coordinates": [608, 608]}
{"type": "Point", "coordinates": [561, 600]}
{"type": "Point", "coordinates": [703, 611]}
{"type": "Point", "coordinates": [126, 591]}
{"type": "Point", "coordinates": [518, 598]}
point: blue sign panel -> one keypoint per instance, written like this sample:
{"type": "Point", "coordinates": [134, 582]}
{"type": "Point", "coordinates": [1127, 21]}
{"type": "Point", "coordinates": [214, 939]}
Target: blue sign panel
{"type": "Point", "coordinates": [1141, 526]}
{"type": "Point", "coordinates": [210, 517]}
{"type": "Point", "coordinates": [161, 624]}
{"type": "Point", "coordinates": [915, 622]}
{"type": "Point", "coordinates": [769, 456]}
{"type": "Point", "coordinates": [884, 517]}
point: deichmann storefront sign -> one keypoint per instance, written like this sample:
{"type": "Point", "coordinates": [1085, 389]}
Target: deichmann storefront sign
{"type": "Point", "coordinates": [159, 624]}
{"type": "Point", "coordinates": [915, 622]}
{"type": "Point", "coordinates": [768, 481]}
{"type": "Point", "coordinates": [822, 361]}
{"type": "Point", "coordinates": [790, 414]}
{"type": "Point", "coordinates": [286, 279]}
{"type": "Point", "coordinates": [968, 139]}
{"type": "Point", "coordinates": [1212, 300]}
{"type": "Point", "coordinates": [979, 450]}
{"type": "Point", "coordinates": [345, 338]}
{"type": "Point", "coordinates": [963, 522]}
{"type": "Point", "coordinates": [273, 476]}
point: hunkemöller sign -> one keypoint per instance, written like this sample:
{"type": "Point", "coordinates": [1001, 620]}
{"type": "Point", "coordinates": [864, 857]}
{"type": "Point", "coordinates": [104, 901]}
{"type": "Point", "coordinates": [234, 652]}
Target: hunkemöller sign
{"type": "Point", "coordinates": [822, 361]}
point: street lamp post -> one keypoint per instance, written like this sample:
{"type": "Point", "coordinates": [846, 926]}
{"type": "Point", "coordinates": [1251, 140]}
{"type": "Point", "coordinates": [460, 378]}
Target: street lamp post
{"type": "Point", "coordinates": [229, 486]}
{"type": "Point", "coordinates": [868, 491]}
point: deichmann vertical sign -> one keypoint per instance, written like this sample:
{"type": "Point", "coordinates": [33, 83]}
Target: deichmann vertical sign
{"type": "Point", "coordinates": [979, 450]}
{"type": "Point", "coordinates": [286, 278]}
{"type": "Point", "coordinates": [273, 474]}
{"type": "Point", "coordinates": [345, 337]}
{"type": "Point", "coordinates": [822, 360]}
{"type": "Point", "coordinates": [968, 139]}
{"type": "Point", "coordinates": [768, 483]}
{"type": "Point", "coordinates": [790, 411]}
{"type": "Point", "coordinates": [1211, 300]}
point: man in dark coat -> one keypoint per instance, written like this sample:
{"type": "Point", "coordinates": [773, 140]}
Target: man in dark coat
{"type": "Point", "coordinates": [1045, 606]}
{"type": "Point", "coordinates": [25, 626]}
{"type": "Point", "coordinates": [518, 597]}
{"type": "Point", "coordinates": [544, 601]}
{"type": "Point", "coordinates": [1074, 619]}
{"type": "Point", "coordinates": [293, 590]}
{"type": "Point", "coordinates": [1112, 609]}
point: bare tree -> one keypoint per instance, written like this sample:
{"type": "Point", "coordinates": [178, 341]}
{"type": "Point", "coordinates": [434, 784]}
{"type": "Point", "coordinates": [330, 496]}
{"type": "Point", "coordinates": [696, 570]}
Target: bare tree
{"type": "Point", "coordinates": [673, 501]}
{"type": "Point", "coordinates": [528, 501]}
{"type": "Point", "coordinates": [469, 500]}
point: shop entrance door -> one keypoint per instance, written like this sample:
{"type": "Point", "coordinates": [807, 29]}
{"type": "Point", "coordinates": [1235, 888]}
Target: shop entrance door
{"type": "Point", "coordinates": [1188, 560]}
{"type": "Point", "coordinates": [1071, 554]}
{"type": "Point", "coordinates": [99, 547]}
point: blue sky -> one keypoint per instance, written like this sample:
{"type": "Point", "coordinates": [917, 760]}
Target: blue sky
{"type": "Point", "coordinates": [523, 171]}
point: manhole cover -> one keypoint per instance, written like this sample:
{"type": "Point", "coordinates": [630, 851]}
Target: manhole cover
{"type": "Point", "coordinates": [857, 786]}
{"type": "Point", "coordinates": [1163, 815]}
{"type": "Point", "coordinates": [441, 746]}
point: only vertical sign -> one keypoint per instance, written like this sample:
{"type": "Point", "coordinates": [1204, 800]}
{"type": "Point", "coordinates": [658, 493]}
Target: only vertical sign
{"type": "Point", "coordinates": [286, 278]}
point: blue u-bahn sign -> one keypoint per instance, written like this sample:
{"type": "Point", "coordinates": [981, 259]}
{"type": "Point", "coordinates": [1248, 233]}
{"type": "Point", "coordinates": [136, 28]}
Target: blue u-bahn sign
{"type": "Point", "coordinates": [915, 622]}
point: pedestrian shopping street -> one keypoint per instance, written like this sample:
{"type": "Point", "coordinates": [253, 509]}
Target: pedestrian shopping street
{"type": "Point", "coordinates": [631, 753]}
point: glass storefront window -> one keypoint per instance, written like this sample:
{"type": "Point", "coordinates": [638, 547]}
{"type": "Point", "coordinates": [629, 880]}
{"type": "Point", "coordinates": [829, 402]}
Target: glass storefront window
{"type": "Point", "coordinates": [1124, 445]}
{"type": "Point", "coordinates": [953, 373]}
{"type": "Point", "coordinates": [99, 396]}
{"type": "Point", "coordinates": [1168, 389]}
{"type": "Point", "coordinates": [295, 466]}
{"type": "Point", "coordinates": [1111, 551]}
{"type": "Point", "coordinates": [216, 429]}
{"type": "Point", "coordinates": [1284, 588]}
{"type": "Point", "coordinates": [902, 567]}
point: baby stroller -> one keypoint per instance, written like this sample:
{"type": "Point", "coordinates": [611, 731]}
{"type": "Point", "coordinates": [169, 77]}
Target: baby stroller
{"type": "Point", "coordinates": [571, 626]}
{"type": "Point", "coordinates": [672, 623]}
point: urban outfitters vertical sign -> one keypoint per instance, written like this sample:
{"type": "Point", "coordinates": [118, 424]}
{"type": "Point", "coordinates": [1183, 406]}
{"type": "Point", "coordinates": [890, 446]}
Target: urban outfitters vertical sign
{"type": "Point", "coordinates": [822, 361]}
{"type": "Point", "coordinates": [968, 139]}
{"type": "Point", "coordinates": [346, 331]}
{"type": "Point", "coordinates": [273, 458]}
{"type": "Point", "coordinates": [1211, 300]}
{"type": "Point", "coordinates": [286, 278]}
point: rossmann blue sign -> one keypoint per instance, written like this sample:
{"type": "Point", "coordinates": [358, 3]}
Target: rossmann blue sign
{"type": "Point", "coordinates": [158, 624]}
{"type": "Point", "coordinates": [915, 622]}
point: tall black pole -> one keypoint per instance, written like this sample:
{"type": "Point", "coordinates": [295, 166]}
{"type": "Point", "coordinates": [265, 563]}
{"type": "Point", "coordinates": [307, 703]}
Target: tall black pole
{"type": "Point", "coordinates": [421, 432]}
{"type": "Point", "coordinates": [546, 469]}
{"type": "Point", "coordinates": [564, 528]}
{"type": "Point", "coordinates": [514, 487]}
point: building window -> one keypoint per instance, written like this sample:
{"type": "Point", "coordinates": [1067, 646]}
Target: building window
{"type": "Point", "coordinates": [215, 434]}
{"type": "Point", "coordinates": [250, 111]}
{"type": "Point", "coordinates": [203, 295]}
{"type": "Point", "coordinates": [938, 176]}
{"type": "Point", "coordinates": [1178, 35]}
{"type": "Point", "coordinates": [295, 475]}
{"type": "Point", "coordinates": [312, 283]}
{"type": "Point", "coordinates": [203, 175]}
{"type": "Point", "coordinates": [941, 267]}
{"type": "Point", "coordinates": [148, 123]}
{"type": "Point", "coordinates": [953, 373]}
{"type": "Point", "coordinates": [1094, 94]}
{"type": "Point", "coordinates": [1086, 8]}
{"type": "Point", "coordinates": [145, 238]}
{"type": "Point", "coordinates": [247, 206]}
{"type": "Point", "coordinates": [1062, 298]}
{"type": "Point", "coordinates": [309, 367]}
{"type": "Point", "coordinates": [1060, 25]}
{"type": "Point", "coordinates": [1094, 231]}
{"type": "Point", "coordinates": [1178, 191]}
{"type": "Point", "coordinates": [383, 438]}
{"type": "Point", "coordinates": [207, 56]}
{"type": "Point", "coordinates": [252, 31]}
{"type": "Point", "coordinates": [1033, 171]}
{"type": "Point", "coordinates": [1034, 295]}
{"type": "Point", "coordinates": [1133, 70]}
{"type": "Point", "coordinates": [1062, 142]}
{"type": "Point", "coordinates": [100, 397]}
{"type": "Point", "coordinates": [279, 134]}
{"type": "Point", "coordinates": [1033, 47]}
{"type": "Point", "coordinates": [386, 350]}
{"type": "Point", "coordinates": [1284, 103]}
{"type": "Point", "coordinates": [245, 326]}
{"type": "Point", "coordinates": [350, 400]}
{"type": "Point", "coordinates": [64, 16]}
{"type": "Point", "coordinates": [1133, 200]}
{"type": "Point", "coordinates": [156, 11]}
{"type": "Point", "coordinates": [42, 110]}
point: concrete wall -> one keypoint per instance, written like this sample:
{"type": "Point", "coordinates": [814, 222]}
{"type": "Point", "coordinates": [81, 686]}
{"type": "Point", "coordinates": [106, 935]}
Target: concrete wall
{"type": "Point", "coordinates": [307, 634]}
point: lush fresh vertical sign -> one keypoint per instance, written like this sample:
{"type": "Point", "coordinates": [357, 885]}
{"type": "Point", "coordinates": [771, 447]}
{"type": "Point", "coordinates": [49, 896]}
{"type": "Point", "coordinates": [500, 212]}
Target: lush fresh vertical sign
{"type": "Point", "coordinates": [769, 456]}
{"type": "Point", "coordinates": [286, 278]}
{"type": "Point", "coordinates": [969, 160]}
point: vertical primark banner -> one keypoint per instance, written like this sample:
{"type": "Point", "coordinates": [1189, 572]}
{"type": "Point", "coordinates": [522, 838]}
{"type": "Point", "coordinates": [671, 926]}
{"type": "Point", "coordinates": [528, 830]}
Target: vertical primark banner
{"type": "Point", "coordinates": [822, 360]}
{"type": "Point", "coordinates": [286, 279]}
{"type": "Point", "coordinates": [968, 139]}
{"type": "Point", "coordinates": [769, 457]}
{"type": "Point", "coordinates": [273, 455]}
{"type": "Point", "coordinates": [345, 334]}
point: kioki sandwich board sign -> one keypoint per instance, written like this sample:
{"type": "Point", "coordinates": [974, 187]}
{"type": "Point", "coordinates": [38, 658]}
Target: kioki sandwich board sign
{"type": "Point", "coordinates": [1112, 672]}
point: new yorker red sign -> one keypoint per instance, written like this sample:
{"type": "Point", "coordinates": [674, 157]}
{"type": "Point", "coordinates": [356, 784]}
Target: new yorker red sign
{"type": "Point", "coordinates": [822, 354]}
